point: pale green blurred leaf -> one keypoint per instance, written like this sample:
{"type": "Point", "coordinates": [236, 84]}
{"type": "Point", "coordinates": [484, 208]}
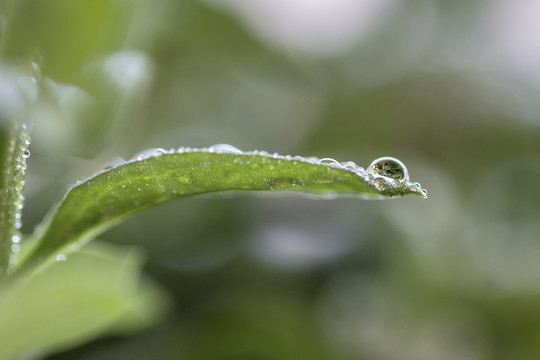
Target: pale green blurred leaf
{"type": "Point", "coordinates": [95, 291]}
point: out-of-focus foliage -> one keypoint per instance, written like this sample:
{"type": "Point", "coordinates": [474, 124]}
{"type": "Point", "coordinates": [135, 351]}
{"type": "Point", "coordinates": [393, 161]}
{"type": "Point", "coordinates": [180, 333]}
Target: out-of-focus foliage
{"type": "Point", "coordinates": [97, 291]}
{"type": "Point", "coordinates": [450, 88]}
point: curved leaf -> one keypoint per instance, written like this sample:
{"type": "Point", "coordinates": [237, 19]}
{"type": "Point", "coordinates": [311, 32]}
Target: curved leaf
{"type": "Point", "coordinates": [157, 176]}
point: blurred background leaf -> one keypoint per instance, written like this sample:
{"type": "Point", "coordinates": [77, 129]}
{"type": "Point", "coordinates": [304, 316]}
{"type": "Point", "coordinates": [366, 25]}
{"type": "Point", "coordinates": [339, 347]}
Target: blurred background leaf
{"type": "Point", "coordinates": [450, 88]}
{"type": "Point", "coordinates": [96, 291]}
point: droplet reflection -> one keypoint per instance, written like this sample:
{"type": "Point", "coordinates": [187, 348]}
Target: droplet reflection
{"type": "Point", "coordinates": [389, 167]}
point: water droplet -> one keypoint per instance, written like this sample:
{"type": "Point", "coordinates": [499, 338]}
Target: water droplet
{"type": "Point", "coordinates": [224, 148]}
{"type": "Point", "coordinates": [15, 248]}
{"type": "Point", "coordinates": [330, 162]}
{"type": "Point", "coordinates": [117, 161]}
{"type": "Point", "coordinates": [148, 153]}
{"type": "Point", "coordinates": [349, 165]}
{"type": "Point", "coordinates": [26, 154]}
{"type": "Point", "coordinates": [61, 257]}
{"type": "Point", "coordinates": [16, 239]}
{"type": "Point", "coordinates": [380, 183]}
{"type": "Point", "coordinates": [389, 167]}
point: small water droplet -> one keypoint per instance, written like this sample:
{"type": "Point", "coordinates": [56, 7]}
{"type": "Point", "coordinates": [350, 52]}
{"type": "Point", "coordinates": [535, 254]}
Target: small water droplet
{"type": "Point", "coordinates": [148, 153]}
{"type": "Point", "coordinates": [380, 183]}
{"type": "Point", "coordinates": [389, 167]}
{"type": "Point", "coordinates": [61, 257]}
{"type": "Point", "coordinates": [16, 239]}
{"type": "Point", "coordinates": [117, 161]}
{"type": "Point", "coordinates": [15, 248]}
{"type": "Point", "coordinates": [224, 148]}
{"type": "Point", "coordinates": [330, 162]}
{"type": "Point", "coordinates": [26, 154]}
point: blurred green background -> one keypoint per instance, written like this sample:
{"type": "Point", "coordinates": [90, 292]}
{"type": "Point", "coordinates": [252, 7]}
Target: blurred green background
{"type": "Point", "coordinates": [451, 88]}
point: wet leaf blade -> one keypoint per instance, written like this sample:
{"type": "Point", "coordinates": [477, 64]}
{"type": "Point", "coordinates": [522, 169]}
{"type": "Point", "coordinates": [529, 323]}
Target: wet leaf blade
{"type": "Point", "coordinates": [110, 196]}
{"type": "Point", "coordinates": [13, 145]}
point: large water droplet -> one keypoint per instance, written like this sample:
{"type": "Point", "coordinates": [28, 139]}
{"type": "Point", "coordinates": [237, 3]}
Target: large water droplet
{"type": "Point", "coordinates": [389, 167]}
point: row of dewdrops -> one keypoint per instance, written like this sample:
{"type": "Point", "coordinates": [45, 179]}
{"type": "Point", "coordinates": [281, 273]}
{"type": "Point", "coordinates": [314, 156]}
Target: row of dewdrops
{"type": "Point", "coordinates": [383, 173]}
{"type": "Point", "coordinates": [375, 175]}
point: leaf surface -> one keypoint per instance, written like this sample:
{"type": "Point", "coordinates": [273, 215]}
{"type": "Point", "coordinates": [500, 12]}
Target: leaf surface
{"type": "Point", "coordinates": [96, 204]}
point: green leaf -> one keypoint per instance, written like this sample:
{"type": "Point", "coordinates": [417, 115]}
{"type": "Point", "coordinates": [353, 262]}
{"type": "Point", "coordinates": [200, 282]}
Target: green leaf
{"type": "Point", "coordinates": [157, 176]}
{"type": "Point", "coordinates": [13, 153]}
{"type": "Point", "coordinates": [98, 290]}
